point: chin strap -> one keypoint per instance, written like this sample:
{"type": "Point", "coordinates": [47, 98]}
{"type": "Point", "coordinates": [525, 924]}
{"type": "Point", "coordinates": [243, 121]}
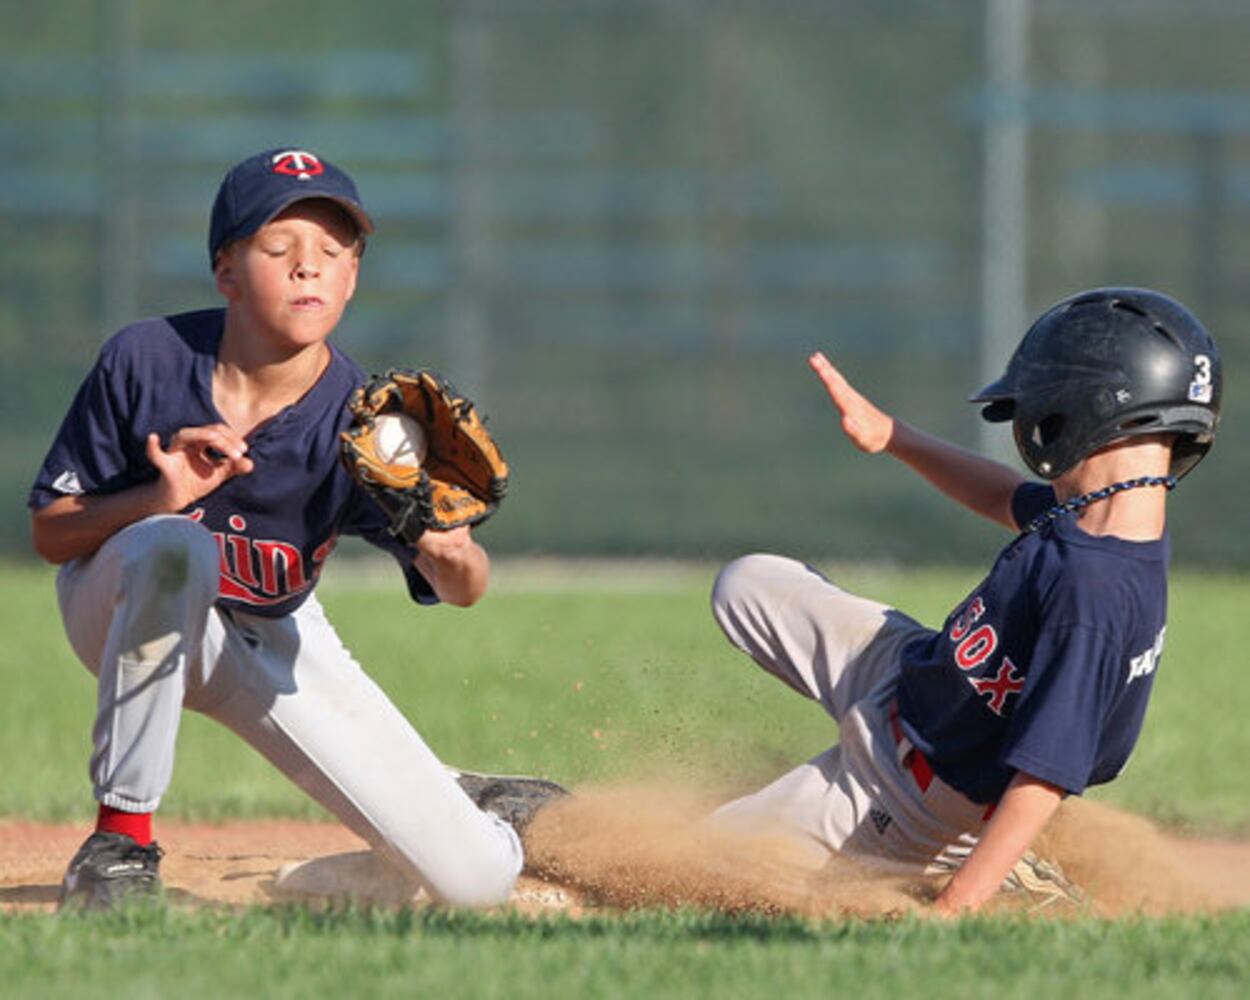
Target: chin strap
{"type": "Point", "coordinates": [1085, 499]}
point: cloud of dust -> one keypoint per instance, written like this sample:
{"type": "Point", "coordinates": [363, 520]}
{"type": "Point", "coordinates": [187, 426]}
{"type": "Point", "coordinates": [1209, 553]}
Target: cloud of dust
{"type": "Point", "coordinates": [649, 845]}
{"type": "Point", "coordinates": [1129, 865]}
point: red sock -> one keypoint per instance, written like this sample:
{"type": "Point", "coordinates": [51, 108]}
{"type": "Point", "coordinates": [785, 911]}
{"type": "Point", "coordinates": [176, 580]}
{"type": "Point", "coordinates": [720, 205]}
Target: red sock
{"type": "Point", "coordinates": [137, 826]}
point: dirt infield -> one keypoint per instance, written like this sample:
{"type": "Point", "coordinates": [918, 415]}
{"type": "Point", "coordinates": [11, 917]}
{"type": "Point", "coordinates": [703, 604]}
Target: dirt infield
{"type": "Point", "coordinates": [630, 847]}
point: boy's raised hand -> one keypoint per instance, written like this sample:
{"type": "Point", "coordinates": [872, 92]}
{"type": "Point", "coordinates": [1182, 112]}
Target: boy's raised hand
{"type": "Point", "coordinates": [868, 427]}
{"type": "Point", "coordinates": [198, 460]}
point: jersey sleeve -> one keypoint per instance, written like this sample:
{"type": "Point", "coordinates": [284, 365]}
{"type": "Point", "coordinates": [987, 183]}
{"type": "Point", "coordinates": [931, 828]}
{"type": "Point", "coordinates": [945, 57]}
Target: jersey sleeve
{"type": "Point", "coordinates": [96, 450]}
{"type": "Point", "coordinates": [366, 520]}
{"type": "Point", "coordinates": [1055, 732]}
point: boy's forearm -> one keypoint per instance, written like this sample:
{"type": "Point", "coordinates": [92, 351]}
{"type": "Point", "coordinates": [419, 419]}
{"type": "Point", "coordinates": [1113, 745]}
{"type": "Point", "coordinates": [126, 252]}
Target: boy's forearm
{"type": "Point", "coordinates": [980, 484]}
{"type": "Point", "coordinates": [1024, 811]}
{"type": "Point", "coordinates": [75, 526]}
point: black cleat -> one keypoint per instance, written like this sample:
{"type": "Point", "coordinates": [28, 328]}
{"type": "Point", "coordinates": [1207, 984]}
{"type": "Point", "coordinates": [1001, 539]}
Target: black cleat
{"type": "Point", "coordinates": [513, 798]}
{"type": "Point", "coordinates": [110, 868]}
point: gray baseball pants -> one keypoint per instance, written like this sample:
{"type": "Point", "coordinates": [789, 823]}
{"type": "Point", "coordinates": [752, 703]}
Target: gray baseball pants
{"type": "Point", "coordinates": [859, 797]}
{"type": "Point", "coordinates": [141, 615]}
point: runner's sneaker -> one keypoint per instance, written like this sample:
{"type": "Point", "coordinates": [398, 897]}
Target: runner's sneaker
{"type": "Point", "coordinates": [513, 798]}
{"type": "Point", "coordinates": [108, 868]}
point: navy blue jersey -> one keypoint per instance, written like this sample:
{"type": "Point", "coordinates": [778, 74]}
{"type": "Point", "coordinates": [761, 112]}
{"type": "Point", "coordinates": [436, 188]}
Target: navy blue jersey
{"type": "Point", "coordinates": [275, 526]}
{"type": "Point", "coordinates": [1047, 666]}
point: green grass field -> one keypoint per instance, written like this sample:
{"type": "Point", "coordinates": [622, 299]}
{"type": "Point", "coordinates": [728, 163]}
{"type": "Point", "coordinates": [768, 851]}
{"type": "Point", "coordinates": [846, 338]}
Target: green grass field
{"type": "Point", "coordinates": [598, 675]}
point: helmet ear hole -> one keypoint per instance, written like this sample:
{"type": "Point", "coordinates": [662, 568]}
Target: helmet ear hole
{"type": "Point", "coordinates": [1048, 430]}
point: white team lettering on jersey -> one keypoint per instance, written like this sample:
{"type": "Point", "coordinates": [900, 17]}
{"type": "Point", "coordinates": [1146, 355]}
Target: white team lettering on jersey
{"type": "Point", "coordinates": [1144, 663]}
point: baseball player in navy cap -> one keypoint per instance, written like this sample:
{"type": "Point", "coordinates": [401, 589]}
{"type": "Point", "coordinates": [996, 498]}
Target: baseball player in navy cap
{"type": "Point", "coordinates": [191, 498]}
{"type": "Point", "coordinates": [957, 744]}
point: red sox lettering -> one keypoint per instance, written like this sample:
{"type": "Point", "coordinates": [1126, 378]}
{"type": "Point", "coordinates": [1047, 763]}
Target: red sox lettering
{"type": "Point", "coordinates": [975, 646]}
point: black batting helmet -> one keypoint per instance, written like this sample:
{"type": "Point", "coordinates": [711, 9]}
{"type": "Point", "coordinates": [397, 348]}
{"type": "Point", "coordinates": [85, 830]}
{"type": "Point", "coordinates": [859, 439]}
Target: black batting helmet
{"type": "Point", "coordinates": [1107, 364]}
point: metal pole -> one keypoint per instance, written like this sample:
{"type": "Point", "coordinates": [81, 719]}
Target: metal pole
{"type": "Point", "coordinates": [467, 305]}
{"type": "Point", "coordinates": [725, 156]}
{"type": "Point", "coordinates": [1208, 146]}
{"type": "Point", "coordinates": [1005, 215]}
{"type": "Point", "coordinates": [119, 223]}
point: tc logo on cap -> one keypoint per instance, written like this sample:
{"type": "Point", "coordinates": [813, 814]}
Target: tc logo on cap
{"type": "Point", "coordinates": [297, 163]}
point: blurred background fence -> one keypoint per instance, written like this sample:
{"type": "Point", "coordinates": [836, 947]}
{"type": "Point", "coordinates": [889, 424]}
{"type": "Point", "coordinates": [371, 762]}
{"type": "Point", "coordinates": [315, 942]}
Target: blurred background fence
{"type": "Point", "coordinates": [621, 225]}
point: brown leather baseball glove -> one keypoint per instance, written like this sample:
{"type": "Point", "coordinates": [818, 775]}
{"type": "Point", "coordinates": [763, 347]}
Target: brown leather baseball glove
{"type": "Point", "coordinates": [463, 477]}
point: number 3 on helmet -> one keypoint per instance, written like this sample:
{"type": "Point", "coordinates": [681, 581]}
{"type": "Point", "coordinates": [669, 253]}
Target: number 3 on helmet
{"type": "Point", "coordinates": [1107, 364]}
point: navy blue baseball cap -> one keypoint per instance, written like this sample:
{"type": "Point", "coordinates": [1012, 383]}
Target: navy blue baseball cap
{"type": "Point", "coordinates": [255, 191]}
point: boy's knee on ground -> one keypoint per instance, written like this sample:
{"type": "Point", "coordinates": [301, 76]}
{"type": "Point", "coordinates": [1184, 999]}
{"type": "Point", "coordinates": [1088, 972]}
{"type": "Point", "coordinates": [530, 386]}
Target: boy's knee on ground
{"type": "Point", "coordinates": [485, 880]}
{"type": "Point", "coordinates": [489, 888]}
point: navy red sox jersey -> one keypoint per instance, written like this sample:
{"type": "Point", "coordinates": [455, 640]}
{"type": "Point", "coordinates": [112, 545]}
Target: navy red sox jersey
{"type": "Point", "coordinates": [275, 526]}
{"type": "Point", "coordinates": [1047, 666]}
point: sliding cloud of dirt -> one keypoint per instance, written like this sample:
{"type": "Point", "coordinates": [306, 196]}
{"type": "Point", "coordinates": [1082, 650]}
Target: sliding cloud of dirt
{"type": "Point", "coordinates": [646, 845]}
